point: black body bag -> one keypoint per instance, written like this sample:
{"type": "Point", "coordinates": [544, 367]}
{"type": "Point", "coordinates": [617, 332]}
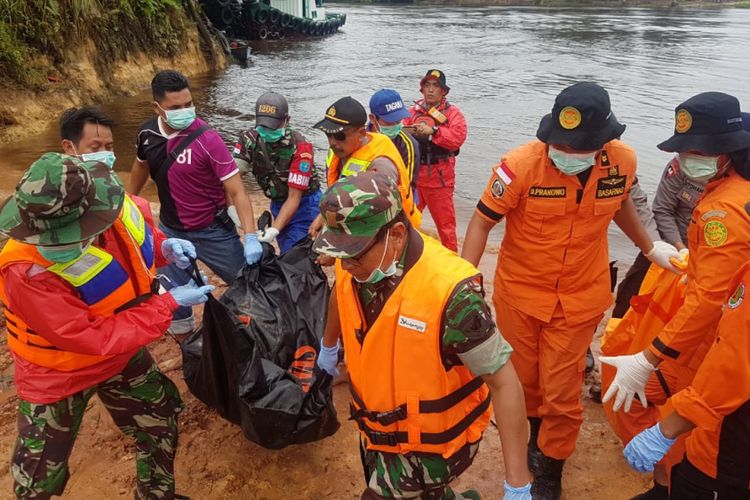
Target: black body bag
{"type": "Point", "coordinates": [254, 357]}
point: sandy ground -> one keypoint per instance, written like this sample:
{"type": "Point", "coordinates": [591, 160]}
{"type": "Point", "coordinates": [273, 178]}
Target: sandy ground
{"type": "Point", "coordinates": [214, 461]}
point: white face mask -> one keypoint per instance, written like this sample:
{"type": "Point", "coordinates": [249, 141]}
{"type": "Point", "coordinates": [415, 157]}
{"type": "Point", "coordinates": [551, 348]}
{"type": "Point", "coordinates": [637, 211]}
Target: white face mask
{"type": "Point", "coordinates": [571, 163]}
{"type": "Point", "coordinates": [699, 168]}
{"type": "Point", "coordinates": [378, 274]}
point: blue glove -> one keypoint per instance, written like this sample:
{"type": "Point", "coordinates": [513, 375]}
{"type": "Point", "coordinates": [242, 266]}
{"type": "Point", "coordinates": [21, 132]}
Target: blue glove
{"type": "Point", "coordinates": [511, 493]}
{"type": "Point", "coordinates": [253, 249]}
{"type": "Point", "coordinates": [191, 295]}
{"type": "Point", "coordinates": [647, 448]}
{"type": "Point", "coordinates": [329, 358]}
{"type": "Point", "coordinates": [177, 251]}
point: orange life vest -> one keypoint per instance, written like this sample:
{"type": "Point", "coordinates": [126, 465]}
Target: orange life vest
{"type": "Point", "coordinates": [403, 398]}
{"type": "Point", "coordinates": [100, 280]}
{"type": "Point", "coordinates": [359, 161]}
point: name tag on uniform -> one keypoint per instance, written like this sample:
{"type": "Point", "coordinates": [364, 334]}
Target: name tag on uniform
{"type": "Point", "coordinates": [412, 324]}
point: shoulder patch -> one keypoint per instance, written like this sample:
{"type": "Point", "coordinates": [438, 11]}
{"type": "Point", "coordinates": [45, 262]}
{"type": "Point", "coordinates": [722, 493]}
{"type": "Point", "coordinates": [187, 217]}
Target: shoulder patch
{"type": "Point", "coordinates": [736, 299]}
{"type": "Point", "coordinates": [715, 233]}
{"type": "Point", "coordinates": [497, 189]}
{"type": "Point", "coordinates": [714, 213]}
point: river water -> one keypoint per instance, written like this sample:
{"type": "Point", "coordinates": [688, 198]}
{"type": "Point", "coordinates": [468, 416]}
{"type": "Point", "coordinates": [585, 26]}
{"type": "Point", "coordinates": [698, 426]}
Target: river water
{"type": "Point", "coordinates": [504, 66]}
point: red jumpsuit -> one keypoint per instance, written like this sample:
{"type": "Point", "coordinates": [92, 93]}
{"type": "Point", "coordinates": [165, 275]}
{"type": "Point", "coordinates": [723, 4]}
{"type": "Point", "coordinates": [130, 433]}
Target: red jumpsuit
{"type": "Point", "coordinates": [437, 176]}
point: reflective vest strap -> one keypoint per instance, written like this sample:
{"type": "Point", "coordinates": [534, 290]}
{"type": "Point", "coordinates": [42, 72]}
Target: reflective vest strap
{"type": "Point", "coordinates": [430, 406]}
{"type": "Point", "coordinates": [80, 271]}
{"type": "Point", "coordinates": [354, 166]}
{"type": "Point", "coordinates": [436, 438]}
{"type": "Point", "coordinates": [134, 221]}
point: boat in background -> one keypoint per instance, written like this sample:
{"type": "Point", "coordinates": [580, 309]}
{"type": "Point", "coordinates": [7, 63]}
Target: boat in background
{"type": "Point", "coordinates": [268, 19]}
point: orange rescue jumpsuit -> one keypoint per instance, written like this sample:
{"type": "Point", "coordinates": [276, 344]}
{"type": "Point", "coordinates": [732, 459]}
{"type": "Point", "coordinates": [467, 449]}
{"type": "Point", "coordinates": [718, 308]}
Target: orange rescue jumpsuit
{"type": "Point", "coordinates": [718, 399]}
{"type": "Point", "coordinates": [552, 282]}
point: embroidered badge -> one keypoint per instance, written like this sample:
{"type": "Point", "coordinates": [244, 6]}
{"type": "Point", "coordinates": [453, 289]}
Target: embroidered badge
{"type": "Point", "coordinates": [497, 189]}
{"type": "Point", "coordinates": [304, 166]}
{"type": "Point", "coordinates": [569, 118]}
{"type": "Point", "coordinates": [715, 233]}
{"type": "Point", "coordinates": [736, 299]}
{"type": "Point", "coordinates": [683, 120]}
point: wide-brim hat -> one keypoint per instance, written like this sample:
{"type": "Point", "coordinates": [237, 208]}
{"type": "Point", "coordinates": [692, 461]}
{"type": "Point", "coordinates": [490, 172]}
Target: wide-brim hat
{"type": "Point", "coordinates": [581, 118]}
{"type": "Point", "coordinates": [62, 200]}
{"type": "Point", "coordinates": [709, 123]}
{"type": "Point", "coordinates": [354, 210]}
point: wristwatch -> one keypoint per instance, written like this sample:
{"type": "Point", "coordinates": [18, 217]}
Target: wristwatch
{"type": "Point", "coordinates": [434, 130]}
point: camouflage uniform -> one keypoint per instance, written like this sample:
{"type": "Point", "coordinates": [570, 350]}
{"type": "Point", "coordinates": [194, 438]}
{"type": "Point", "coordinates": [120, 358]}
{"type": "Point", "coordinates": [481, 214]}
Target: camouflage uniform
{"type": "Point", "coordinates": [143, 403]}
{"type": "Point", "coordinates": [468, 327]}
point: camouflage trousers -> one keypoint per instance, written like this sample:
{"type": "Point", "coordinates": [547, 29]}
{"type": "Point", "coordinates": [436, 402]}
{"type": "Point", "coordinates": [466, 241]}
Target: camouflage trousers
{"type": "Point", "coordinates": [144, 404]}
{"type": "Point", "coordinates": [415, 475]}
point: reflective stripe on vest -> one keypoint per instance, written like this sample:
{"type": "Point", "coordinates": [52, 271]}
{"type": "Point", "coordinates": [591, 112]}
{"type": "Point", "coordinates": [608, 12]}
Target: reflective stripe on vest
{"type": "Point", "coordinates": [414, 404]}
{"type": "Point", "coordinates": [360, 160]}
{"type": "Point", "coordinates": [100, 280]}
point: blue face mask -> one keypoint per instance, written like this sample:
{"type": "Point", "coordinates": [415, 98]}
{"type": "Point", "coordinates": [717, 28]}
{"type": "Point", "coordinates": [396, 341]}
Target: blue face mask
{"type": "Point", "coordinates": [391, 130]}
{"type": "Point", "coordinates": [107, 157]}
{"type": "Point", "coordinates": [270, 134]}
{"type": "Point", "coordinates": [571, 163]}
{"type": "Point", "coordinates": [378, 274]}
{"type": "Point", "coordinates": [64, 253]}
{"type": "Point", "coordinates": [180, 119]}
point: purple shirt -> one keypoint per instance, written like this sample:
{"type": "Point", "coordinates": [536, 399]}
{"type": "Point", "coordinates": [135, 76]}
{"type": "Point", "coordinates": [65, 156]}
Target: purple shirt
{"type": "Point", "coordinates": [191, 191]}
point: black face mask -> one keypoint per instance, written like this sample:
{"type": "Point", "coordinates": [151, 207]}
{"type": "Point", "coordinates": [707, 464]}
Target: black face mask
{"type": "Point", "coordinates": [741, 161]}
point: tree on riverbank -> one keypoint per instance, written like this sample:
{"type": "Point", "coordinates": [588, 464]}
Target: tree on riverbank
{"type": "Point", "coordinates": [35, 35]}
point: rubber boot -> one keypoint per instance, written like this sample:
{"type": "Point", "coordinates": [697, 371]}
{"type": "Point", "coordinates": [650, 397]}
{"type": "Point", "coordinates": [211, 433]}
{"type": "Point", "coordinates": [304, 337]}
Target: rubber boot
{"type": "Point", "coordinates": [657, 492]}
{"type": "Point", "coordinates": [533, 454]}
{"type": "Point", "coordinates": [548, 479]}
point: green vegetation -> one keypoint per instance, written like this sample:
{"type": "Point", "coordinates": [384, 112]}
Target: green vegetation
{"type": "Point", "coordinates": [743, 5]}
{"type": "Point", "coordinates": [30, 29]}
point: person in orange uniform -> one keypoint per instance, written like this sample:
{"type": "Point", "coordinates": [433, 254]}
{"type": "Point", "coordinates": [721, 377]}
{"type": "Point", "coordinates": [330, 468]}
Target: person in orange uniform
{"type": "Point", "coordinates": [552, 285]}
{"type": "Point", "coordinates": [353, 150]}
{"type": "Point", "coordinates": [716, 408]}
{"type": "Point", "coordinates": [440, 128]}
{"type": "Point", "coordinates": [708, 134]}
{"type": "Point", "coordinates": [425, 359]}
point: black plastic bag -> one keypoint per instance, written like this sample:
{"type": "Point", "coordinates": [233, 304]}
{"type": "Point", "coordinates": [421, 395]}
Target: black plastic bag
{"type": "Point", "coordinates": [254, 357]}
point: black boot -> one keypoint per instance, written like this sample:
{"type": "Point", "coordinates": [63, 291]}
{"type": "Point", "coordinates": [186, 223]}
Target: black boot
{"type": "Point", "coordinates": [533, 455]}
{"type": "Point", "coordinates": [548, 479]}
{"type": "Point", "coordinates": [657, 492]}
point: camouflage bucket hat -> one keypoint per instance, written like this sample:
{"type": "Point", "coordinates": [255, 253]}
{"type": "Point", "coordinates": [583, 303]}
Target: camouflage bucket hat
{"type": "Point", "coordinates": [354, 209]}
{"type": "Point", "coordinates": [61, 200]}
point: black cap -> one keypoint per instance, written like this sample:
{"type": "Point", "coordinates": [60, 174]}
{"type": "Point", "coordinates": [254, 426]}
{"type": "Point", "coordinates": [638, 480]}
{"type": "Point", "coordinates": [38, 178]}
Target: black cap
{"type": "Point", "coordinates": [346, 112]}
{"type": "Point", "coordinates": [438, 75]}
{"type": "Point", "coordinates": [709, 123]}
{"type": "Point", "coordinates": [271, 109]}
{"type": "Point", "coordinates": [581, 118]}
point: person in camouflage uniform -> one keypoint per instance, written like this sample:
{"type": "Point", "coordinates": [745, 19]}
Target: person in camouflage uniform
{"type": "Point", "coordinates": [79, 292]}
{"type": "Point", "coordinates": [366, 229]}
{"type": "Point", "coordinates": [281, 159]}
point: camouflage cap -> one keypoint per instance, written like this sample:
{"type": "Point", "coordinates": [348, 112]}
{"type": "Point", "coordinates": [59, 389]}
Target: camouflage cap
{"type": "Point", "coordinates": [61, 200]}
{"type": "Point", "coordinates": [354, 209]}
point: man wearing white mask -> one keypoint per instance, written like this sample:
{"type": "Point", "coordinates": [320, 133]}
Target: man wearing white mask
{"type": "Point", "coordinates": [711, 144]}
{"type": "Point", "coordinates": [552, 284]}
{"type": "Point", "coordinates": [86, 133]}
{"type": "Point", "coordinates": [196, 176]}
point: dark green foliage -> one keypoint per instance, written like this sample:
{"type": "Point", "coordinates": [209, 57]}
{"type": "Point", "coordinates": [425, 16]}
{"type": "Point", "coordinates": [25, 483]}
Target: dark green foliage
{"type": "Point", "coordinates": [29, 29]}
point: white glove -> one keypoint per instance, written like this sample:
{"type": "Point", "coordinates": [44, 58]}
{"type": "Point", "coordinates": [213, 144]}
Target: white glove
{"type": "Point", "coordinates": [232, 213]}
{"type": "Point", "coordinates": [661, 253]}
{"type": "Point", "coordinates": [269, 235]}
{"type": "Point", "coordinates": [633, 371]}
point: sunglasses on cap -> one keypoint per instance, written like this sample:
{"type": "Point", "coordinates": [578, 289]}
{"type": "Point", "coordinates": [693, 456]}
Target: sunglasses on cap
{"type": "Point", "coordinates": [341, 135]}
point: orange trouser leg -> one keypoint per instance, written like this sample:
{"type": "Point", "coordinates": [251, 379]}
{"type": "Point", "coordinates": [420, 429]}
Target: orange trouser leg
{"type": "Point", "coordinates": [562, 362]}
{"type": "Point", "coordinates": [522, 332]}
{"type": "Point", "coordinates": [550, 358]}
